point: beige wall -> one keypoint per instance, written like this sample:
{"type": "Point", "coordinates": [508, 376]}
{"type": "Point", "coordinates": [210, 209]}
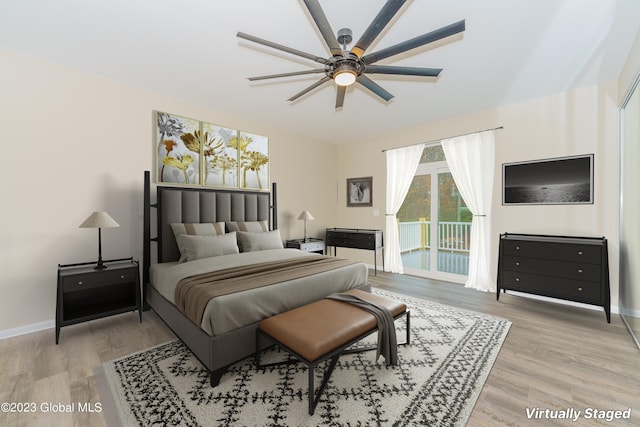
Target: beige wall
{"type": "Point", "coordinates": [578, 122]}
{"type": "Point", "coordinates": [75, 143]}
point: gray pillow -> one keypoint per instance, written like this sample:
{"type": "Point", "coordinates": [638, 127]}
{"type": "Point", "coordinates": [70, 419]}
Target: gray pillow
{"type": "Point", "coordinates": [197, 247]}
{"type": "Point", "coordinates": [250, 242]}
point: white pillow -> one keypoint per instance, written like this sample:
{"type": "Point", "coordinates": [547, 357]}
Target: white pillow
{"type": "Point", "coordinates": [250, 242]}
{"type": "Point", "coordinates": [197, 247]}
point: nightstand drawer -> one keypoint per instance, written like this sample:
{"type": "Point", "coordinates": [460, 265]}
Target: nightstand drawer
{"type": "Point", "coordinates": [92, 279]}
{"type": "Point", "coordinates": [312, 246]}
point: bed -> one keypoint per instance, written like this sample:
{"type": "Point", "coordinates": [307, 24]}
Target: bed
{"type": "Point", "coordinates": [226, 332]}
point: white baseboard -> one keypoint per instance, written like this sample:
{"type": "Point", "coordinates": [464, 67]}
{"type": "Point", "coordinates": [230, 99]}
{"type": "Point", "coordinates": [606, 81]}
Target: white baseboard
{"type": "Point", "coordinates": [614, 308]}
{"type": "Point", "coordinates": [27, 329]}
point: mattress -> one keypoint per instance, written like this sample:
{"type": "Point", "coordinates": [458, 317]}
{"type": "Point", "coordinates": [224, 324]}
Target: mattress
{"type": "Point", "coordinates": [228, 312]}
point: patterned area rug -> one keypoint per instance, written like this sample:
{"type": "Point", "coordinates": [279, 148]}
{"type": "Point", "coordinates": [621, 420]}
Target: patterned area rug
{"type": "Point", "coordinates": [436, 383]}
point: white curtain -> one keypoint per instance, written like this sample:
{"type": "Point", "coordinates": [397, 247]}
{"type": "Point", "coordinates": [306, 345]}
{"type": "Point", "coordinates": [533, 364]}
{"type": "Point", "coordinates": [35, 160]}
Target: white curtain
{"type": "Point", "coordinates": [471, 159]}
{"type": "Point", "coordinates": [401, 166]}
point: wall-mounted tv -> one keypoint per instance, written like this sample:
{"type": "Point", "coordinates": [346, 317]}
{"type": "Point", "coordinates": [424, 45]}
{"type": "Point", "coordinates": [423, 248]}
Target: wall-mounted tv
{"type": "Point", "coordinates": [559, 181]}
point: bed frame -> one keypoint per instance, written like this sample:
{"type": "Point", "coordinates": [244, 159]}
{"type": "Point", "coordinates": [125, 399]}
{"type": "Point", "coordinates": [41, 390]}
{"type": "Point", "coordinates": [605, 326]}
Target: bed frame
{"type": "Point", "coordinates": [177, 205]}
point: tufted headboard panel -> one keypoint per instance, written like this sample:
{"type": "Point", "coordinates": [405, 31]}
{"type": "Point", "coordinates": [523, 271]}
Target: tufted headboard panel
{"type": "Point", "coordinates": [196, 205]}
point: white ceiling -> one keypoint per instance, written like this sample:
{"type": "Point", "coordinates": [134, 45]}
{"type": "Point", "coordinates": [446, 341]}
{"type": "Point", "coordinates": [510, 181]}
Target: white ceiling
{"type": "Point", "coordinates": [512, 50]}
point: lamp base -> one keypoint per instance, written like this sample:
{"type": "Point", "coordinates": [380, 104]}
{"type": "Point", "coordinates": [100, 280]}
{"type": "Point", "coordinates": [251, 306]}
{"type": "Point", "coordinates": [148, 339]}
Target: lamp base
{"type": "Point", "coordinates": [100, 265]}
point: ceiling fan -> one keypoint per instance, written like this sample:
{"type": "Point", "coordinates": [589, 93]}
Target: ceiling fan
{"type": "Point", "coordinates": [346, 67]}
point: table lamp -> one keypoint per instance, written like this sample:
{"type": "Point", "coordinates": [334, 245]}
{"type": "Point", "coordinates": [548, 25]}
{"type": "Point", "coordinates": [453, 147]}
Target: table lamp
{"type": "Point", "coordinates": [99, 220]}
{"type": "Point", "coordinates": [306, 216]}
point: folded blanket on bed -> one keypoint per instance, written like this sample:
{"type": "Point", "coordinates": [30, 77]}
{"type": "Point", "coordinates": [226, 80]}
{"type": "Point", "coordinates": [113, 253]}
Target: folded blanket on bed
{"type": "Point", "coordinates": [193, 293]}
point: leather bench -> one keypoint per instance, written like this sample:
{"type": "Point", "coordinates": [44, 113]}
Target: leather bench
{"type": "Point", "coordinates": [324, 330]}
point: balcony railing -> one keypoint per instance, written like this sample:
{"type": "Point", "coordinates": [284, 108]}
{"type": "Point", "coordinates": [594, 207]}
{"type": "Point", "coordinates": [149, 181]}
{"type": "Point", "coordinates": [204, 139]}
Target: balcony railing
{"type": "Point", "coordinates": [416, 235]}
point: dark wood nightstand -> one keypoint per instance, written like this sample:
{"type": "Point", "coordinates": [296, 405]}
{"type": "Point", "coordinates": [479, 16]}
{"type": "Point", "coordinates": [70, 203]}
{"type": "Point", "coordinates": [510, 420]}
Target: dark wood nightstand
{"type": "Point", "coordinates": [87, 294]}
{"type": "Point", "coordinates": [309, 245]}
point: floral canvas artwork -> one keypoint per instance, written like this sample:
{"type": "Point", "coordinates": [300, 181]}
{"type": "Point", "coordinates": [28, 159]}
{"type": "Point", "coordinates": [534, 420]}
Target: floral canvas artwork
{"type": "Point", "coordinates": [220, 156]}
{"type": "Point", "coordinates": [178, 149]}
{"type": "Point", "coordinates": [254, 161]}
{"type": "Point", "coordinates": [193, 152]}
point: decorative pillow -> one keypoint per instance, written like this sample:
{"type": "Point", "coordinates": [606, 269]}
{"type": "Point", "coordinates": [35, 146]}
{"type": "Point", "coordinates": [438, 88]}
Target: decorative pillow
{"type": "Point", "coordinates": [249, 241]}
{"type": "Point", "coordinates": [252, 226]}
{"type": "Point", "coordinates": [198, 229]}
{"type": "Point", "coordinates": [197, 247]}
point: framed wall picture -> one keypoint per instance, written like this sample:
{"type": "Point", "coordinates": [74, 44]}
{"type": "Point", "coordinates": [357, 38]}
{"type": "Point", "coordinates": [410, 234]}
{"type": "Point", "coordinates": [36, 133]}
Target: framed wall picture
{"type": "Point", "coordinates": [558, 181]}
{"type": "Point", "coordinates": [360, 191]}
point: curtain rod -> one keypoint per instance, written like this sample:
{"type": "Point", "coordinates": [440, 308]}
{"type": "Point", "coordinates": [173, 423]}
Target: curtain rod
{"type": "Point", "coordinates": [440, 139]}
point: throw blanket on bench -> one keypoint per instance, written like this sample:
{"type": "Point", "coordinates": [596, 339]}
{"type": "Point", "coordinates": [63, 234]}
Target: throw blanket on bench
{"type": "Point", "coordinates": [387, 341]}
{"type": "Point", "coordinates": [193, 293]}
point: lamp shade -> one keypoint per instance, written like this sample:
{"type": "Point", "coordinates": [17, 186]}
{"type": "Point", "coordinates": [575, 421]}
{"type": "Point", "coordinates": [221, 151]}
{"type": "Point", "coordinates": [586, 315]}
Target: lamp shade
{"type": "Point", "coordinates": [99, 220]}
{"type": "Point", "coordinates": [306, 215]}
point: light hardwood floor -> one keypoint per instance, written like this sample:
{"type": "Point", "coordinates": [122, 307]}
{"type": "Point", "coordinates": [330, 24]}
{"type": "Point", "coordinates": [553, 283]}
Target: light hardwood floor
{"type": "Point", "coordinates": [554, 357]}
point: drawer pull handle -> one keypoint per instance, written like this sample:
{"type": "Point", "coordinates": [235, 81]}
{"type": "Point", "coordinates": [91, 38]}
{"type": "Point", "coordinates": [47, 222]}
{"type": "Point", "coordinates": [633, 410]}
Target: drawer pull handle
{"type": "Point", "coordinates": [517, 248]}
{"type": "Point", "coordinates": [517, 262]}
{"type": "Point", "coordinates": [580, 289]}
{"type": "Point", "coordinates": [80, 282]}
{"type": "Point", "coordinates": [517, 279]}
{"type": "Point", "coordinates": [122, 276]}
{"type": "Point", "coordinates": [580, 252]}
{"type": "Point", "coordinates": [580, 271]}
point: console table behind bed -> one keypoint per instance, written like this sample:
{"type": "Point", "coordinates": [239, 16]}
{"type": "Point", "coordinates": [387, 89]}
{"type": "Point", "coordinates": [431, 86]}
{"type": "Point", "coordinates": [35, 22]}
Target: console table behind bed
{"type": "Point", "coordinates": [194, 205]}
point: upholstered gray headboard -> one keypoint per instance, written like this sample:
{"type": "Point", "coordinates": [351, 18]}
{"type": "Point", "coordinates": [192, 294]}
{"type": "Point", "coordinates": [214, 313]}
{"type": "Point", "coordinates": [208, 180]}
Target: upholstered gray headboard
{"type": "Point", "coordinates": [195, 205]}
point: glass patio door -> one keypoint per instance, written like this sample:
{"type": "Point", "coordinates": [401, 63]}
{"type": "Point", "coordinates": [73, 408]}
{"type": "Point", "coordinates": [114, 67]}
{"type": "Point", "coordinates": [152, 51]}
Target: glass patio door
{"type": "Point", "coordinates": [434, 222]}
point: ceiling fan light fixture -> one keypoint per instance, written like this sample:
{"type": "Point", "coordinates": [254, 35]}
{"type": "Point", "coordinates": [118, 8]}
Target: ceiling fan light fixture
{"type": "Point", "coordinates": [344, 77]}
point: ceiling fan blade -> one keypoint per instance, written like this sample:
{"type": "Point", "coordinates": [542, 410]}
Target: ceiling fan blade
{"type": "Point", "coordinates": [374, 87]}
{"type": "Point", "coordinates": [431, 37]}
{"type": "Point", "coordinates": [281, 47]}
{"type": "Point", "coordinates": [404, 71]}
{"type": "Point", "coordinates": [323, 25]}
{"type": "Point", "coordinates": [310, 88]}
{"type": "Point", "coordinates": [387, 12]}
{"type": "Point", "coordinates": [294, 73]}
{"type": "Point", "coordinates": [340, 96]}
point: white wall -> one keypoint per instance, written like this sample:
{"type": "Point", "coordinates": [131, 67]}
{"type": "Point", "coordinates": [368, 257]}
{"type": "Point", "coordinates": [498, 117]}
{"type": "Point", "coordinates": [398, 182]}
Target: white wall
{"type": "Point", "coordinates": [74, 143]}
{"type": "Point", "coordinates": [578, 122]}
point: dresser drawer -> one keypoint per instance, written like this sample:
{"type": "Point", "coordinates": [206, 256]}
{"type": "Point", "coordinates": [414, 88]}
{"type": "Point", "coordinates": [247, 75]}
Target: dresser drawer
{"type": "Point", "coordinates": [87, 280]}
{"type": "Point", "coordinates": [574, 290]}
{"type": "Point", "coordinates": [355, 240]}
{"type": "Point", "coordinates": [569, 270]}
{"type": "Point", "coordinates": [558, 251]}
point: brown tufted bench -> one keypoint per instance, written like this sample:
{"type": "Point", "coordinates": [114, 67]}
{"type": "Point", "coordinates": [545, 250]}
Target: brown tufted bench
{"type": "Point", "coordinates": [324, 330]}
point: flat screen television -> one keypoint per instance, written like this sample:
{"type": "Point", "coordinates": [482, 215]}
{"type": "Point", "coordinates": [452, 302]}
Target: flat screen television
{"type": "Point", "coordinates": [558, 181]}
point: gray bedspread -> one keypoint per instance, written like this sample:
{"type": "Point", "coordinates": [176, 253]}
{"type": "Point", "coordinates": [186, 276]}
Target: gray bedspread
{"type": "Point", "coordinates": [229, 312]}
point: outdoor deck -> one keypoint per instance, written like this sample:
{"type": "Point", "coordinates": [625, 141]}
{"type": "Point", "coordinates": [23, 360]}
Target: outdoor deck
{"type": "Point", "coordinates": [456, 263]}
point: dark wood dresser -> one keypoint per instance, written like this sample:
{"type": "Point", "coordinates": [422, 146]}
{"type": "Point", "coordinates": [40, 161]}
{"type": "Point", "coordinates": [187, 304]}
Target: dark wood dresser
{"type": "Point", "coordinates": [356, 238]}
{"type": "Point", "coordinates": [569, 268]}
